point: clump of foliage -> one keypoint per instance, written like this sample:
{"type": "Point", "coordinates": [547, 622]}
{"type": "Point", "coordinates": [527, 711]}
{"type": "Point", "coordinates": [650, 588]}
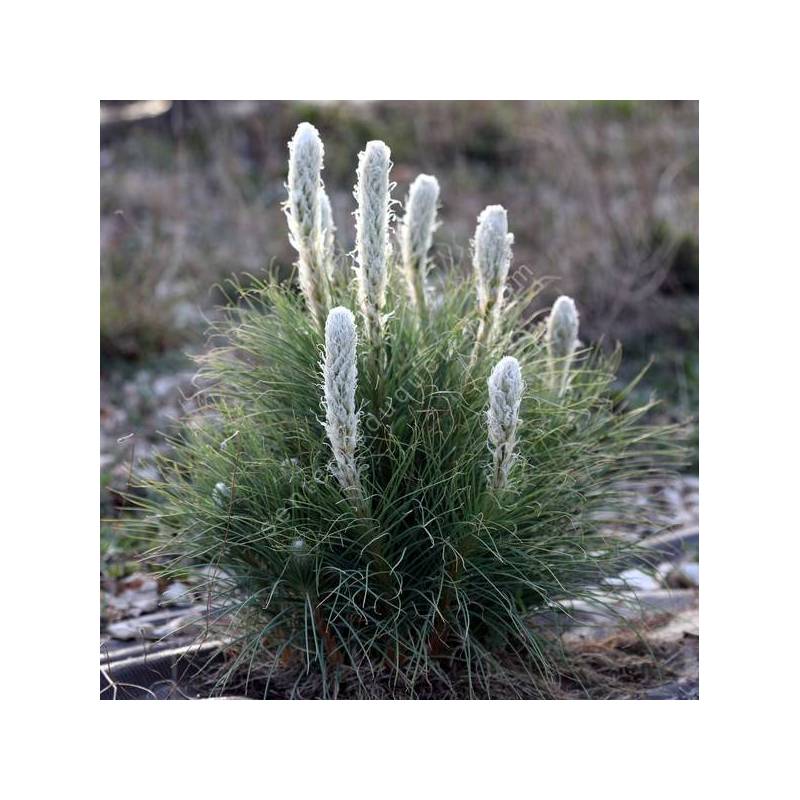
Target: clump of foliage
{"type": "Point", "coordinates": [394, 479]}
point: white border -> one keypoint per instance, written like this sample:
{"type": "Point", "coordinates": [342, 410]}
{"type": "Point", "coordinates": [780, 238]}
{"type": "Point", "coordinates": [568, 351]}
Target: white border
{"type": "Point", "coordinates": [738, 59]}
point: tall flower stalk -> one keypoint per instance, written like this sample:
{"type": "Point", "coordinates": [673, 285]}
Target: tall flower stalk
{"type": "Point", "coordinates": [562, 341]}
{"type": "Point", "coordinates": [416, 236]}
{"type": "Point", "coordinates": [505, 395]}
{"type": "Point", "coordinates": [339, 379]}
{"type": "Point", "coordinates": [304, 216]}
{"type": "Point", "coordinates": [372, 240]}
{"type": "Point", "coordinates": [491, 261]}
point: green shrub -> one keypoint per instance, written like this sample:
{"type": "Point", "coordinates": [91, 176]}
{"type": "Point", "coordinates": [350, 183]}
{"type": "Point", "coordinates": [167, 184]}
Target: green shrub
{"type": "Point", "coordinates": [392, 518]}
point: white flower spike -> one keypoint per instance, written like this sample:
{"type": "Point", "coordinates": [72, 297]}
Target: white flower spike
{"type": "Point", "coordinates": [341, 418]}
{"type": "Point", "coordinates": [304, 216]}
{"type": "Point", "coordinates": [491, 262]}
{"type": "Point", "coordinates": [372, 236]}
{"type": "Point", "coordinates": [505, 395]}
{"type": "Point", "coordinates": [562, 340]}
{"type": "Point", "coordinates": [416, 236]}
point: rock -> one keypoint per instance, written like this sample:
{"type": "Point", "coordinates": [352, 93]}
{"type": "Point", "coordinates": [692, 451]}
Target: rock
{"type": "Point", "coordinates": [638, 581]}
{"type": "Point", "coordinates": [684, 576]}
{"type": "Point", "coordinates": [139, 582]}
{"type": "Point", "coordinates": [164, 386]}
{"type": "Point", "coordinates": [683, 689]}
{"type": "Point", "coordinates": [186, 314]}
{"type": "Point", "coordinates": [215, 575]}
{"type": "Point", "coordinates": [130, 629]}
{"type": "Point", "coordinates": [674, 544]}
{"type": "Point", "coordinates": [666, 600]}
{"type": "Point", "coordinates": [177, 594]}
{"type": "Point", "coordinates": [158, 626]}
{"type": "Point", "coordinates": [683, 625]}
{"type": "Point", "coordinates": [672, 496]}
{"type": "Point", "coordinates": [597, 620]}
{"type": "Point", "coordinates": [612, 607]}
{"type": "Point", "coordinates": [663, 570]}
{"type": "Point", "coordinates": [136, 594]}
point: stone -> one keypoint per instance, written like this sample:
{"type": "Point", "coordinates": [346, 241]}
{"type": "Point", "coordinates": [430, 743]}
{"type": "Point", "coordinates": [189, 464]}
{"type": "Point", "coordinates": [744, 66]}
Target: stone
{"type": "Point", "coordinates": [638, 581]}
{"type": "Point", "coordinates": [176, 594]}
{"type": "Point", "coordinates": [130, 629]}
{"type": "Point", "coordinates": [674, 544]}
{"type": "Point", "coordinates": [137, 594]}
{"type": "Point", "coordinates": [164, 386]}
{"type": "Point", "coordinates": [684, 689]}
{"type": "Point", "coordinates": [684, 576]}
{"type": "Point", "coordinates": [684, 624]}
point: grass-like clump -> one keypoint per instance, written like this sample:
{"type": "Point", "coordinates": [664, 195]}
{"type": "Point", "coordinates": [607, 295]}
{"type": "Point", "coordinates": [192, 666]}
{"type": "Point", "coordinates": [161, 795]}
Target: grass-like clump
{"type": "Point", "coordinates": [397, 479]}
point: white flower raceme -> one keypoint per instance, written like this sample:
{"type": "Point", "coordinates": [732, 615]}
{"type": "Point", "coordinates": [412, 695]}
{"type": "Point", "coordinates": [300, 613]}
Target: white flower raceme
{"type": "Point", "coordinates": [416, 235]}
{"type": "Point", "coordinates": [328, 238]}
{"type": "Point", "coordinates": [491, 261]}
{"type": "Point", "coordinates": [304, 215]}
{"type": "Point", "coordinates": [341, 418]}
{"type": "Point", "coordinates": [372, 235]}
{"type": "Point", "coordinates": [505, 394]}
{"type": "Point", "coordinates": [562, 339]}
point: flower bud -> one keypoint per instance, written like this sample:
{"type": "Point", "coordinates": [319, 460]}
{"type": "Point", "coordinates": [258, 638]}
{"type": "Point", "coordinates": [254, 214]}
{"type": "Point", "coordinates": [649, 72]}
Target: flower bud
{"type": "Point", "coordinates": [505, 395]}
{"type": "Point", "coordinates": [416, 235]}
{"type": "Point", "coordinates": [341, 418]}
{"type": "Point", "coordinates": [491, 261]}
{"type": "Point", "coordinates": [562, 339]}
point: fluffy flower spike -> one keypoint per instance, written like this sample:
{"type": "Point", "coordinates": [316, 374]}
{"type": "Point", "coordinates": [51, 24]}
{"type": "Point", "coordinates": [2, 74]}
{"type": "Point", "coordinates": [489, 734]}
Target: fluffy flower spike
{"type": "Point", "coordinates": [562, 340]}
{"type": "Point", "coordinates": [341, 418]}
{"type": "Point", "coordinates": [304, 216]}
{"type": "Point", "coordinates": [416, 236]}
{"type": "Point", "coordinates": [491, 261]}
{"type": "Point", "coordinates": [372, 236]}
{"type": "Point", "coordinates": [505, 394]}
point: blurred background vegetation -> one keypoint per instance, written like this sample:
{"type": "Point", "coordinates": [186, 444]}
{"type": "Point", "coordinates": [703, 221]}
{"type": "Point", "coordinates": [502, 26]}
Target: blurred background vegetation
{"type": "Point", "coordinates": [602, 197]}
